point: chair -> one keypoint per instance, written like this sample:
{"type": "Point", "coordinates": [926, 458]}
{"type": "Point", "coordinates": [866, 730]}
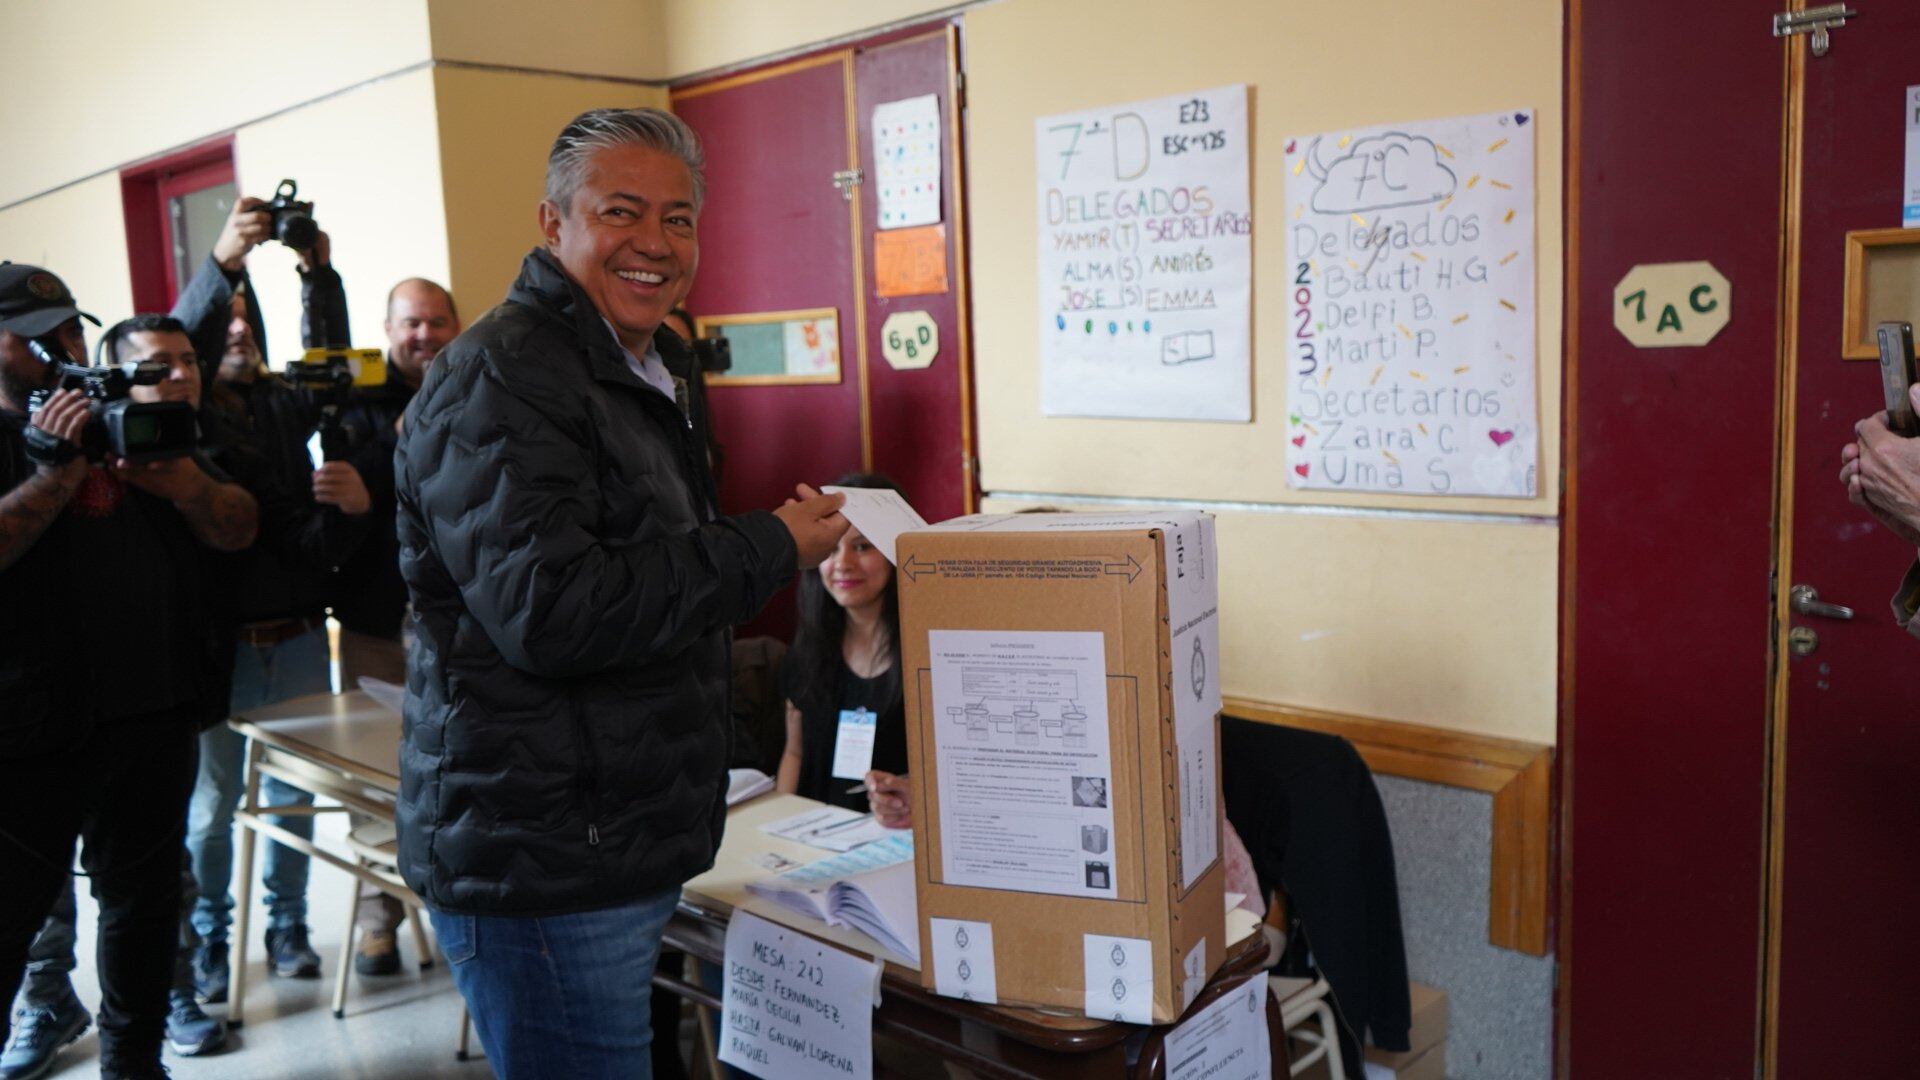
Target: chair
{"type": "Point", "coordinates": [1302, 1000]}
{"type": "Point", "coordinates": [375, 849]}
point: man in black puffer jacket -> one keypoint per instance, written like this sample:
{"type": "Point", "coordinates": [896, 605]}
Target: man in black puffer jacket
{"type": "Point", "coordinates": [563, 768]}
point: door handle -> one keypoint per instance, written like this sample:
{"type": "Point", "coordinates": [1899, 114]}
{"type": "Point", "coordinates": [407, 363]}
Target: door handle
{"type": "Point", "coordinates": [1805, 600]}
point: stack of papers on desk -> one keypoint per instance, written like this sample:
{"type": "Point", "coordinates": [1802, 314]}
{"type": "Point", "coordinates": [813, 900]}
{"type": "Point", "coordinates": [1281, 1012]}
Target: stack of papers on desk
{"type": "Point", "coordinates": [832, 828]}
{"type": "Point", "coordinates": [869, 889]}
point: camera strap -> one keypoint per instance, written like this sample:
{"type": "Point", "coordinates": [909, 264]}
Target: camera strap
{"type": "Point", "coordinates": [45, 448]}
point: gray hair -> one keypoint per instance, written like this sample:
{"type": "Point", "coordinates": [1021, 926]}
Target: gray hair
{"type": "Point", "coordinates": [601, 129]}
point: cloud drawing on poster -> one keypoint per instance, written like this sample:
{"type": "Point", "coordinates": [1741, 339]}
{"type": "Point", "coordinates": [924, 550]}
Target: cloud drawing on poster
{"type": "Point", "coordinates": [1380, 172]}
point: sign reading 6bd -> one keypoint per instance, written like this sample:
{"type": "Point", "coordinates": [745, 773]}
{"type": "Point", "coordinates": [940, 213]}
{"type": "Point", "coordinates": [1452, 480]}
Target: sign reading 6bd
{"type": "Point", "coordinates": [910, 339]}
{"type": "Point", "coordinates": [1663, 304]}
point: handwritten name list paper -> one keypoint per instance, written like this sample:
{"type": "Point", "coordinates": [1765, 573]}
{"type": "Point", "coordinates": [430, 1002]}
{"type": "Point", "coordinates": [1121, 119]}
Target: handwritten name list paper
{"type": "Point", "coordinates": [795, 1007]}
{"type": "Point", "coordinates": [1146, 229]}
{"type": "Point", "coordinates": [1410, 308]}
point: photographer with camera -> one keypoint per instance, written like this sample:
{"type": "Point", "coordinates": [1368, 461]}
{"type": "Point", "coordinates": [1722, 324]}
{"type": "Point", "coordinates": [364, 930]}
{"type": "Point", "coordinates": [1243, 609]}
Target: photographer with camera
{"type": "Point", "coordinates": [109, 663]}
{"type": "Point", "coordinates": [370, 598]}
{"type": "Point", "coordinates": [282, 651]}
{"type": "Point", "coordinates": [295, 528]}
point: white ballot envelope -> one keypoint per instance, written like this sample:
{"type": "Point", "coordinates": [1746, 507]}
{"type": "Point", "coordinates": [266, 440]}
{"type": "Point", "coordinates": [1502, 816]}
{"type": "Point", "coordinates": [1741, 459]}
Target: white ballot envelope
{"type": "Point", "coordinates": [880, 515]}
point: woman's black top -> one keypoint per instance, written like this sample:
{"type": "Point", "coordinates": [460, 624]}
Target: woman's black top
{"type": "Point", "coordinates": [820, 728]}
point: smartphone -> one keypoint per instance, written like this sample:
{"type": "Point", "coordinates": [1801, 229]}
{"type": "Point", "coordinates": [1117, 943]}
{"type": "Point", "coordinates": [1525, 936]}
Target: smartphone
{"type": "Point", "coordinates": [1896, 374]}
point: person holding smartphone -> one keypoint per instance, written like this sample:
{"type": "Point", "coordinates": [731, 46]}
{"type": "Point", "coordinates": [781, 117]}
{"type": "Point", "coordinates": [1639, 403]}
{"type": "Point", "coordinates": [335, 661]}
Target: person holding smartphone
{"type": "Point", "coordinates": [1881, 466]}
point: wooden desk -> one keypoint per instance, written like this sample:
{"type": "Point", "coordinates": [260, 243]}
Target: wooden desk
{"type": "Point", "coordinates": [347, 748]}
{"type": "Point", "coordinates": [991, 1040]}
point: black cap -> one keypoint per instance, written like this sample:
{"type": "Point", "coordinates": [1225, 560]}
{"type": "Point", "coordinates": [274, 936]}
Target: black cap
{"type": "Point", "coordinates": [33, 301]}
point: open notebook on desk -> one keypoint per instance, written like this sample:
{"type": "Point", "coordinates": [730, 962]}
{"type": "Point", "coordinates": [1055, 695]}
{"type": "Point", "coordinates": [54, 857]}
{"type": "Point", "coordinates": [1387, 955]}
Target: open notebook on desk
{"type": "Point", "coordinates": [869, 889]}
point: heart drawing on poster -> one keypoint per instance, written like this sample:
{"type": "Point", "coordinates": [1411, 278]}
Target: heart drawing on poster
{"type": "Point", "coordinates": [1299, 440]}
{"type": "Point", "coordinates": [1300, 471]}
{"type": "Point", "coordinates": [1500, 438]}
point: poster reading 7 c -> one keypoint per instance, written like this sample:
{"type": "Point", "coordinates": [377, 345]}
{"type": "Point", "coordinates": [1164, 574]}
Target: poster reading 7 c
{"type": "Point", "coordinates": [1410, 308]}
{"type": "Point", "coordinates": [1145, 243]}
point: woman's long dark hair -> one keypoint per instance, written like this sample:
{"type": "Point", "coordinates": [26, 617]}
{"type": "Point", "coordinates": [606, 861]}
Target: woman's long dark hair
{"type": "Point", "coordinates": [815, 657]}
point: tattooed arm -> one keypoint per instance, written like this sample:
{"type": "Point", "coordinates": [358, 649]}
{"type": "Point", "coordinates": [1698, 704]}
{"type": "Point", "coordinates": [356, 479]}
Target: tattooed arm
{"type": "Point", "coordinates": [27, 510]}
{"type": "Point", "coordinates": [221, 514]}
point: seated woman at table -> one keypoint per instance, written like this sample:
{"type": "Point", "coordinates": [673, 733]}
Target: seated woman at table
{"type": "Point", "coordinates": [845, 714]}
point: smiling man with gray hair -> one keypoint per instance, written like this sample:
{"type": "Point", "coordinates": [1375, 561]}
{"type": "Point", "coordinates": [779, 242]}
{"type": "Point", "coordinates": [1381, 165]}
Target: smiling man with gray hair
{"type": "Point", "coordinates": [564, 761]}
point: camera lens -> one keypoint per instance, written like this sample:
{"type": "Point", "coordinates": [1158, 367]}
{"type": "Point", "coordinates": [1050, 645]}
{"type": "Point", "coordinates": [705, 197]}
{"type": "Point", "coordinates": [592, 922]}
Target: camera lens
{"type": "Point", "coordinates": [296, 230]}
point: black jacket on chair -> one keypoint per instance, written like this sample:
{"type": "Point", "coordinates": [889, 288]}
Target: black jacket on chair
{"type": "Point", "coordinates": [1305, 805]}
{"type": "Point", "coordinates": [566, 734]}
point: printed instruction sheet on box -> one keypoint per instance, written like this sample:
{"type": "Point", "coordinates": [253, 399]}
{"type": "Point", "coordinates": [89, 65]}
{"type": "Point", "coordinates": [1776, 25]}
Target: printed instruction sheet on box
{"type": "Point", "coordinates": [1025, 766]}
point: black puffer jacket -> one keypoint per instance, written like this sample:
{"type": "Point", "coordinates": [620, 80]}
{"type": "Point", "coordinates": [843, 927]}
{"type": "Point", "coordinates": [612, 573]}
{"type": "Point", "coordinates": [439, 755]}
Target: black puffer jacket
{"type": "Point", "coordinates": [566, 717]}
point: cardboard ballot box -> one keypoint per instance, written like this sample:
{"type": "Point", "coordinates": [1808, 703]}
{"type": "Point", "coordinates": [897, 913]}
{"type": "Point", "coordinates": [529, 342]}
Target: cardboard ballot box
{"type": "Point", "coordinates": [1062, 697]}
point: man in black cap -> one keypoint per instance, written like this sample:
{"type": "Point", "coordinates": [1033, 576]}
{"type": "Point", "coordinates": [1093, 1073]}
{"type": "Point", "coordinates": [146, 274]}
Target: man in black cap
{"type": "Point", "coordinates": [107, 664]}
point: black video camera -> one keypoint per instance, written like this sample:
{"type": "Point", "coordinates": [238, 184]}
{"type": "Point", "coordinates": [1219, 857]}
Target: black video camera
{"type": "Point", "coordinates": [714, 353]}
{"type": "Point", "coordinates": [135, 430]}
{"type": "Point", "coordinates": [293, 223]}
{"type": "Point", "coordinates": [331, 375]}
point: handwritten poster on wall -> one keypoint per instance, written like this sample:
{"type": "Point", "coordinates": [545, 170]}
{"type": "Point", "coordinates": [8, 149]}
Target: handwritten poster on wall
{"type": "Point", "coordinates": [1410, 308]}
{"type": "Point", "coordinates": [1146, 237]}
{"type": "Point", "coordinates": [906, 150]}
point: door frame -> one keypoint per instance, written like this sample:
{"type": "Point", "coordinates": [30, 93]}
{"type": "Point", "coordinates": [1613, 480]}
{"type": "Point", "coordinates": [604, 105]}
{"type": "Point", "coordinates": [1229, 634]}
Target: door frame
{"type": "Point", "coordinates": [843, 52]}
{"type": "Point", "coordinates": [145, 188]}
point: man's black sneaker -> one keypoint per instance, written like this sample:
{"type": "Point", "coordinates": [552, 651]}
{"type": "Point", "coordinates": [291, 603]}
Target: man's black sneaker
{"type": "Point", "coordinates": [288, 954]}
{"type": "Point", "coordinates": [210, 972]}
{"type": "Point", "coordinates": [189, 1031]}
{"type": "Point", "coordinates": [38, 1035]}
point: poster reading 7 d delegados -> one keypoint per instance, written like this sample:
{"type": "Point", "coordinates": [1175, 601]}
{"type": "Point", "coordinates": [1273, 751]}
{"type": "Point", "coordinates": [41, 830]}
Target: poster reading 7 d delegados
{"type": "Point", "coordinates": [1146, 239]}
{"type": "Point", "coordinates": [1409, 308]}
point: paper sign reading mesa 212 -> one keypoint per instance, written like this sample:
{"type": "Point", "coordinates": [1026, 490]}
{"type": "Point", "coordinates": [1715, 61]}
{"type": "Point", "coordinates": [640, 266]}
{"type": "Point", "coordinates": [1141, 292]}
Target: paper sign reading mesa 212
{"type": "Point", "coordinates": [795, 1007]}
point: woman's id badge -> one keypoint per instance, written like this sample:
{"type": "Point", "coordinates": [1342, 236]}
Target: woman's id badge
{"type": "Point", "coordinates": [853, 746]}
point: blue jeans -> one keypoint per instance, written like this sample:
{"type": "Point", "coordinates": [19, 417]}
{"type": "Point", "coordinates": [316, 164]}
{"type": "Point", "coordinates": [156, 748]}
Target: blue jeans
{"type": "Point", "coordinates": [290, 669]}
{"type": "Point", "coordinates": [564, 996]}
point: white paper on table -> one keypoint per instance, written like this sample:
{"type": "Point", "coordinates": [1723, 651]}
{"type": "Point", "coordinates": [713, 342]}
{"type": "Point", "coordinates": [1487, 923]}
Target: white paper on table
{"type": "Point", "coordinates": [1227, 1040]}
{"type": "Point", "coordinates": [1119, 978]}
{"type": "Point", "coordinates": [963, 960]}
{"type": "Point", "coordinates": [808, 822]}
{"type": "Point", "coordinates": [865, 830]}
{"type": "Point", "coordinates": [385, 693]}
{"type": "Point", "coordinates": [906, 152]}
{"type": "Point", "coordinates": [881, 516]}
{"type": "Point", "coordinates": [795, 1007]}
{"type": "Point", "coordinates": [744, 784]}
{"type": "Point", "coordinates": [1023, 761]}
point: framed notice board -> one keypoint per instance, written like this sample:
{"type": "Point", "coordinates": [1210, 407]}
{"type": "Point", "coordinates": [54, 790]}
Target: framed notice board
{"type": "Point", "coordinates": [777, 347]}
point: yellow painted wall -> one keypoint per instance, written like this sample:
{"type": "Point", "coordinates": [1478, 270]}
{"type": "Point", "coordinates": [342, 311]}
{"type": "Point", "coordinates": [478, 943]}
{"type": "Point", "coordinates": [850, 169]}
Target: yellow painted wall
{"type": "Point", "coordinates": [619, 38]}
{"type": "Point", "coordinates": [1431, 622]}
{"type": "Point", "coordinates": [95, 84]}
{"type": "Point", "coordinates": [495, 131]}
{"type": "Point", "coordinates": [1444, 623]}
{"type": "Point", "coordinates": [705, 34]}
{"type": "Point", "coordinates": [369, 159]}
{"type": "Point", "coordinates": [78, 233]}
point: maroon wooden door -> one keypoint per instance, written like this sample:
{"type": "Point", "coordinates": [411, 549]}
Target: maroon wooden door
{"type": "Point", "coordinates": [1674, 155]}
{"type": "Point", "coordinates": [776, 236]}
{"type": "Point", "coordinates": [1848, 728]}
{"type": "Point", "coordinates": [920, 418]}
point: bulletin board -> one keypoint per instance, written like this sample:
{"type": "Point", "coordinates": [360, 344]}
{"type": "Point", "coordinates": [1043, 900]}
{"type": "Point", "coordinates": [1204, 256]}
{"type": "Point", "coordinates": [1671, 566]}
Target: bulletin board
{"type": "Point", "coordinates": [776, 347]}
